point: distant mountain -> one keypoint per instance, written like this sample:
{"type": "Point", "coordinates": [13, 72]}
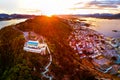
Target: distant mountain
{"type": "Point", "coordinates": [14, 16]}
{"type": "Point", "coordinates": [4, 16]}
{"type": "Point", "coordinates": [103, 15]}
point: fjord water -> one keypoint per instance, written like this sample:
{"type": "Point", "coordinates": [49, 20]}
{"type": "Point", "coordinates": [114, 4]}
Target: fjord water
{"type": "Point", "coordinates": [105, 26]}
{"type": "Point", "coordinates": [10, 22]}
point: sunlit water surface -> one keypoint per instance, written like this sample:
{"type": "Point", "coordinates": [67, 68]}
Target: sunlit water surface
{"type": "Point", "coordinates": [105, 26]}
{"type": "Point", "coordinates": [10, 22]}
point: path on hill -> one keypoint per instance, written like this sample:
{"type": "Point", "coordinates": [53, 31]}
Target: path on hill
{"type": "Point", "coordinates": [46, 68]}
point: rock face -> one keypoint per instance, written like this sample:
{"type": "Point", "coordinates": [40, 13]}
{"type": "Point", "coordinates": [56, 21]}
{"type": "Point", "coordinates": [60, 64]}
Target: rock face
{"type": "Point", "coordinates": [16, 64]}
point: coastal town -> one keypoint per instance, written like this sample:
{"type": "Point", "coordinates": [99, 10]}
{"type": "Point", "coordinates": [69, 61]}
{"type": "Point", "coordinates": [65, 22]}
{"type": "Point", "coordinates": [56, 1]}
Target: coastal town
{"type": "Point", "coordinates": [103, 51]}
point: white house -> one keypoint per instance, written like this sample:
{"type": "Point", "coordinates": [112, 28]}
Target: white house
{"type": "Point", "coordinates": [34, 46]}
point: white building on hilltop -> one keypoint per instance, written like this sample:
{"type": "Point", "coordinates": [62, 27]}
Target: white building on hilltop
{"type": "Point", "coordinates": [35, 46]}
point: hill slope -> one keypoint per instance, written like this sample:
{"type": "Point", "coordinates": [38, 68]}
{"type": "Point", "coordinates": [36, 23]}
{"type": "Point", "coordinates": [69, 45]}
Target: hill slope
{"type": "Point", "coordinates": [16, 64]}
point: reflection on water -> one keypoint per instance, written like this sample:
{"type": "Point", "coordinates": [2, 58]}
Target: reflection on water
{"type": "Point", "coordinates": [105, 26]}
{"type": "Point", "coordinates": [10, 22]}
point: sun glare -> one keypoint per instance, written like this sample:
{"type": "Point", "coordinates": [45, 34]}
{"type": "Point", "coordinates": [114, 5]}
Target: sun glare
{"type": "Point", "coordinates": [49, 15]}
{"type": "Point", "coordinates": [53, 7]}
{"type": "Point", "coordinates": [48, 7]}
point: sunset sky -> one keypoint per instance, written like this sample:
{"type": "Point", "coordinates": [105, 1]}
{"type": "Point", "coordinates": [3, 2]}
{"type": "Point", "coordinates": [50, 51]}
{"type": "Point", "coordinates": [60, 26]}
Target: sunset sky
{"type": "Point", "coordinates": [50, 7]}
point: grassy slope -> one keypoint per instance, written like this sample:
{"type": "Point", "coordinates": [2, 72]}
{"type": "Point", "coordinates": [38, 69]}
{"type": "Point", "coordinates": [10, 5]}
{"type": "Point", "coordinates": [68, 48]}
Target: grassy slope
{"type": "Point", "coordinates": [17, 64]}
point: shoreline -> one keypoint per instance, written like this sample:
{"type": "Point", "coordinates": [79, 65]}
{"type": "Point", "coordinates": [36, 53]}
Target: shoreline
{"type": "Point", "coordinates": [10, 22]}
{"type": "Point", "coordinates": [88, 43]}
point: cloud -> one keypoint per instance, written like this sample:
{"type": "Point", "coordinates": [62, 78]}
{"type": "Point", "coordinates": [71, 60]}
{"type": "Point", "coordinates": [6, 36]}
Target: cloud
{"type": "Point", "coordinates": [105, 3]}
{"type": "Point", "coordinates": [101, 4]}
